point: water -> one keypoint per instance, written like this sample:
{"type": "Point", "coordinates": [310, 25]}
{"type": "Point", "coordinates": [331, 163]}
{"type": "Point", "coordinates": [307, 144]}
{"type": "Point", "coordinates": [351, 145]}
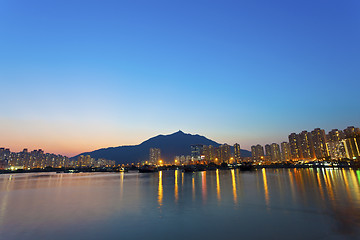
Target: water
{"type": "Point", "coordinates": [272, 203]}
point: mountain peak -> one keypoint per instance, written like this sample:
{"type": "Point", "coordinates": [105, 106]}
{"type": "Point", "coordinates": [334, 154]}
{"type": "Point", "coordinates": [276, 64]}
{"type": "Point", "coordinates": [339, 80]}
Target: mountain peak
{"type": "Point", "coordinates": [174, 144]}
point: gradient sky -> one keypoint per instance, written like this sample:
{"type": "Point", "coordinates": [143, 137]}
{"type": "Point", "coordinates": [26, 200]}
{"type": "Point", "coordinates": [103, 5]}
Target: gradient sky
{"type": "Point", "coordinates": [80, 75]}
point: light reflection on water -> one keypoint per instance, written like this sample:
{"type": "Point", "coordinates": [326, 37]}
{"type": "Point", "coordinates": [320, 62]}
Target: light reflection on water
{"type": "Point", "coordinates": [323, 203]}
{"type": "Point", "coordinates": [160, 189]}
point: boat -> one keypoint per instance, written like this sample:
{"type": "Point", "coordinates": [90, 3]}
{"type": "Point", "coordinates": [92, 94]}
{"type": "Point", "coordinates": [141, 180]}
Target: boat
{"type": "Point", "coordinates": [148, 169]}
{"type": "Point", "coordinates": [190, 168]}
{"type": "Point", "coordinates": [71, 171]}
{"type": "Point", "coordinates": [121, 169]}
{"type": "Point", "coordinates": [246, 166]}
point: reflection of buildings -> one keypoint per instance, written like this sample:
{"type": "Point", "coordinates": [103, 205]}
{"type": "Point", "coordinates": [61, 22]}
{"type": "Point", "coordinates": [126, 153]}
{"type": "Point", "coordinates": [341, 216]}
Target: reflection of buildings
{"type": "Point", "coordinates": [218, 185]}
{"type": "Point", "coordinates": [266, 189]}
{"type": "Point", "coordinates": [160, 189]}
{"type": "Point", "coordinates": [335, 190]}
{"type": "Point", "coordinates": [233, 180]}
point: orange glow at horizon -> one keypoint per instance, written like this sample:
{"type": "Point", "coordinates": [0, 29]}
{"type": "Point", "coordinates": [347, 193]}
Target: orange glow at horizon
{"type": "Point", "coordinates": [67, 139]}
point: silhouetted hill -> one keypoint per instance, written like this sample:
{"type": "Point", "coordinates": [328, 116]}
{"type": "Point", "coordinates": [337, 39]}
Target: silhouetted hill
{"type": "Point", "coordinates": [171, 145]}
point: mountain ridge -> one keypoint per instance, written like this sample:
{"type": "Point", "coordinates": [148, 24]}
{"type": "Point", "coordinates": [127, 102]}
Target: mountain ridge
{"type": "Point", "coordinates": [171, 145]}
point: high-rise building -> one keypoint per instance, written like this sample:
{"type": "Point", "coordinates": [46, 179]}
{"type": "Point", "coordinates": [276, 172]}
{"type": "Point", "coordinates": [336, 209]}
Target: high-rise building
{"type": "Point", "coordinates": [87, 161]}
{"type": "Point", "coordinates": [306, 145]}
{"type": "Point", "coordinates": [205, 154]}
{"type": "Point", "coordinates": [237, 153]}
{"type": "Point", "coordinates": [336, 149]}
{"type": "Point", "coordinates": [319, 140]}
{"type": "Point", "coordinates": [225, 153]}
{"type": "Point", "coordinates": [268, 151]}
{"type": "Point", "coordinates": [253, 152]}
{"type": "Point", "coordinates": [294, 147]}
{"type": "Point", "coordinates": [275, 152]}
{"type": "Point", "coordinates": [154, 155]}
{"type": "Point", "coordinates": [352, 148]}
{"type": "Point", "coordinates": [84, 161]}
{"type": "Point", "coordinates": [196, 152]}
{"type": "Point", "coordinates": [335, 135]}
{"type": "Point", "coordinates": [351, 132]}
{"type": "Point", "coordinates": [259, 151]}
{"type": "Point", "coordinates": [80, 161]}
{"type": "Point", "coordinates": [212, 153]}
{"type": "Point", "coordinates": [285, 151]}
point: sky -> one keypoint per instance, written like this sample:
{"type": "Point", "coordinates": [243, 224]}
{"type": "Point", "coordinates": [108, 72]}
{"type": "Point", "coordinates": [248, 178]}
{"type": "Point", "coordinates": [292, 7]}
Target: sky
{"type": "Point", "coordinates": [81, 75]}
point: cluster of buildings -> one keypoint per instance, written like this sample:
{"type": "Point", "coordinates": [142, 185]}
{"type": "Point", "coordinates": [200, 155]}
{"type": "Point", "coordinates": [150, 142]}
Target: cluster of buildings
{"type": "Point", "coordinates": [30, 160]}
{"type": "Point", "coordinates": [39, 159]}
{"type": "Point", "coordinates": [203, 154]}
{"type": "Point", "coordinates": [314, 145]}
{"type": "Point", "coordinates": [86, 161]}
{"type": "Point", "coordinates": [154, 156]}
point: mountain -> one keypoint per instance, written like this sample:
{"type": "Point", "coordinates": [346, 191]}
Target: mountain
{"type": "Point", "coordinates": [171, 145]}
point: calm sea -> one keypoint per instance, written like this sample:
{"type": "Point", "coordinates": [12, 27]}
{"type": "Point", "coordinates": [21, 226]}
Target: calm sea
{"type": "Point", "coordinates": [229, 204]}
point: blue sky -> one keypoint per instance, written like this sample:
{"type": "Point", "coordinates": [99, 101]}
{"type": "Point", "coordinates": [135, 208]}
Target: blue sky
{"type": "Point", "coordinates": [80, 75]}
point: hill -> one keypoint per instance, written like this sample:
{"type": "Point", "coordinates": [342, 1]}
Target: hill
{"type": "Point", "coordinates": [171, 145]}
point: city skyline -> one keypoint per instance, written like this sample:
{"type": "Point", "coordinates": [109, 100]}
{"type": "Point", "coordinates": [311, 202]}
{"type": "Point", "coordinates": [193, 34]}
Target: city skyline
{"type": "Point", "coordinates": [299, 144]}
{"type": "Point", "coordinates": [82, 75]}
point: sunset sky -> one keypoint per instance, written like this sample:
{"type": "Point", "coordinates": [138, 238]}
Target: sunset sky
{"type": "Point", "coordinates": [81, 75]}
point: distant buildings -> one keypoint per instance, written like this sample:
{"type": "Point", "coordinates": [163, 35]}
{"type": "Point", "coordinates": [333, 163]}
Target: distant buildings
{"type": "Point", "coordinates": [319, 139]}
{"type": "Point", "coordinates": [31, 160]}
{"type": "Point", "coordinates": [336, 145]}
{"type": "Point", "coordinates": [268, 151]}
{"type": "Point", "coordinates": [154, 155]}
{"type": "Point", "coordinates": [306, 145]}
{"type": "Point", "coordinates": [257, 152]}
{"type": "Point", "coordinates": [87, 161]}
{"type": "Point", "coordinates": [196, 152]}
{"type": "Point", "coordinates": [285, 151]}
{"type": "Point", "coordinates": [38, 159]}
{"type": "Point", "coordinates": [225, 153]}
{"type": "Point", "coordinates": [182, 160]}
{"type": "Point", "coordinates": [303, 146]}
{"type": "Point", "coordinates": [210, 154]}
{"type": "Point", "coordinates": [237, 152]}
{"type": "Point", "coordinates": [275, 152]}
{"type": "Point", "coordinates": [294, 147]}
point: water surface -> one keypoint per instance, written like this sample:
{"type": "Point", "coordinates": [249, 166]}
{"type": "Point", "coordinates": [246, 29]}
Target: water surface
{"type": "Point", "coordinates": [272, 203]}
